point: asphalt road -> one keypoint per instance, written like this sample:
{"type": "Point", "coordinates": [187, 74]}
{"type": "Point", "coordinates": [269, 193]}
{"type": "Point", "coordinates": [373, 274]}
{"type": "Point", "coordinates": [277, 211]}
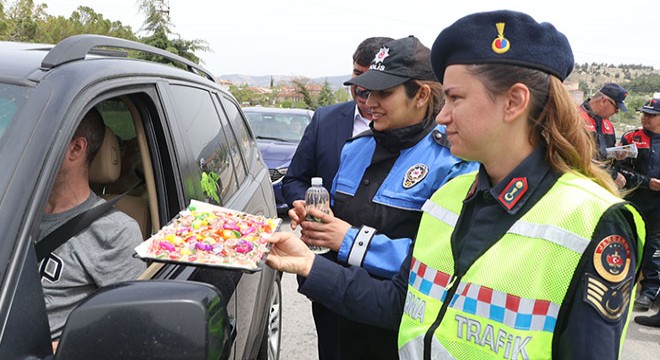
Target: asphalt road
{"type": "Point", "coordinates": [298, 332]}
{"type": "Point", "coordinates": [299, 335]}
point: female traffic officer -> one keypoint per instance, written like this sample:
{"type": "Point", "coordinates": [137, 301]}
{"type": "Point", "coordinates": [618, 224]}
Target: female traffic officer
{"type": "Point", "coordinates": [535, 255]}
{"type": "Point", "coordinates": [384, 177]}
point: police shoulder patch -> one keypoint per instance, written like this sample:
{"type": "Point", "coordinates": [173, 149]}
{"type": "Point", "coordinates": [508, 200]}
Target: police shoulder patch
{"type": "Point", "coordinates": [610, 301]}
{"type": "Point", "coordinates": [612, 258]}
{"type": "Point", "coordinates": [414, 175]}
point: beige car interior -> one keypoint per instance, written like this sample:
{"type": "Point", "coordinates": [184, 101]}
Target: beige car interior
{"type": "Point", "coordinates": [105, 170]}
{"type": "Point", "coordinates": [114, 171]}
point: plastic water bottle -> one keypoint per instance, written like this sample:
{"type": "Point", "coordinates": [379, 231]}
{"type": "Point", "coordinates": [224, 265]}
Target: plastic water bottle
{"type": "Point", "coordinates": [317, 197]}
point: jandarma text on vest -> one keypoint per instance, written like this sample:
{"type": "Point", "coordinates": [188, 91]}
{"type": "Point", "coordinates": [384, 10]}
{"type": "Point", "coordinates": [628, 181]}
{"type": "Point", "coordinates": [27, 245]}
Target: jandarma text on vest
{"type": "Point", "coordinates": [415, 307]}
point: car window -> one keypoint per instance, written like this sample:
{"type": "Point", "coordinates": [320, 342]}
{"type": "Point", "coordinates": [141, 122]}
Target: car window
{"type": "Point", "coordinates": [118, 118]}
{"type": "Point", "coordinates": [239, 138]}
{"type": "Point", "coordinates": [283, 126]}
{"type": "Point", "coordinates": [12, 98]}
{"type": "Point", "coordinates": [200, 123]}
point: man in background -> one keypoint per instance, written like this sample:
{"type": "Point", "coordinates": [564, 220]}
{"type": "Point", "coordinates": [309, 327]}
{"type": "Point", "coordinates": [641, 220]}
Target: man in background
{"type": "Point", "coordinates": [596, 112]}
{"type": "Point", "coordinates": [318, 155]}
{"type": "Point", "coordinates": [643, 178]}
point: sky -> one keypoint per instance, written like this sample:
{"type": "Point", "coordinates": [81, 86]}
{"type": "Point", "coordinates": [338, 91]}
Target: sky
{"type": "Point", "coordinates": [314, 38]}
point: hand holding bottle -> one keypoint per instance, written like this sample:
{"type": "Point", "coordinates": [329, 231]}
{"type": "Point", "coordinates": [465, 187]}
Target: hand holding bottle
{"type": "Point", "coordinates": [317, 198]}
{"type": "Point", "coordinates": [325, 231]}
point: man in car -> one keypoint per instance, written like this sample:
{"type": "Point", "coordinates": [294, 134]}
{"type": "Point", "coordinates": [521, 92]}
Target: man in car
{"type": "Point", "coordinates": [99, 255]}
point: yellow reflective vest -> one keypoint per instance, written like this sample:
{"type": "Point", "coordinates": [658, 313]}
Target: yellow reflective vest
{"type": "Point", "coordinates": [507, 303]}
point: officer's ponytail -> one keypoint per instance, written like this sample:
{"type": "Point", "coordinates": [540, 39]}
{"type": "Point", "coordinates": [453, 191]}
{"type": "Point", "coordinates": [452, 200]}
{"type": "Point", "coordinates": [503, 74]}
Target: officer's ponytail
{"type": "Point", "coordinates": [553, 119]}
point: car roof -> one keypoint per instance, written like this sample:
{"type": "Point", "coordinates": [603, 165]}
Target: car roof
{"type": "Point", "coordinates": [19, 60]}
{"type": "Point", "coordinates": [25, 62]}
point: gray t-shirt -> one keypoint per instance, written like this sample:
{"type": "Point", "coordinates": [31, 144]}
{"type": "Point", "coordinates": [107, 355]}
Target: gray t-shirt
{"type": "Point", "coordinates": [100, 255]}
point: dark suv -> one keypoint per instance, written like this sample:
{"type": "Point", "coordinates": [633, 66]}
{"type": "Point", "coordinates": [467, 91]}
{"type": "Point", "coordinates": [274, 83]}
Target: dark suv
{"type": "Point", "coordinates": [175, 127]}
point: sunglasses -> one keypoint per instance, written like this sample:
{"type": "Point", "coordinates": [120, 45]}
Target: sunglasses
{"type": "Point", "coordinates": [613, 103]}
{"type": "Point", "coordinates": [362, 93]}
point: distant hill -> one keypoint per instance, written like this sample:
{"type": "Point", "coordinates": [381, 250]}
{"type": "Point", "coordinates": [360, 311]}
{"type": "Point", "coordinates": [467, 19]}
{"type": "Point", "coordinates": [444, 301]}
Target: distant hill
{"type": "Point", "coordinates": [336, 82]}
{"type": "Point", "coordinates": [590, 76]}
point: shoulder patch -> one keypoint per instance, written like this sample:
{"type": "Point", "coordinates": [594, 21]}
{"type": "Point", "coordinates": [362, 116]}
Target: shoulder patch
{"type": "Point", "coordinates": [440, 139]}
{"type": "Point", "coordinates": [414, 175]}
{"type": "Point", "coordinates": [612, 258]}
{"type": "Point", "coordinates": [611, 302]}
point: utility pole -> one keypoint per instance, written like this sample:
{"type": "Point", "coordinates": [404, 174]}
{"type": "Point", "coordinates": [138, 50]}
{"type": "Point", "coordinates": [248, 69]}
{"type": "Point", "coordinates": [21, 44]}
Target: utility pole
{"type": "Point", "coordinates": [163, 6]}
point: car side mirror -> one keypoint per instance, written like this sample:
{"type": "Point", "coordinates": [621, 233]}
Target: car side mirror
{"type": "Point", "coordinates": [154, 319]}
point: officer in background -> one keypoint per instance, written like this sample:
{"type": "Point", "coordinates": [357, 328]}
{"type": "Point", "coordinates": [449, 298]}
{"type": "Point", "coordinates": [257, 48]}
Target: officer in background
{"type": "Point", "coordinates": [596, 112]}
{"type": "Point", "coordinates": [643, 177]}
{"type": "Point", "coordinates": [536, 255]}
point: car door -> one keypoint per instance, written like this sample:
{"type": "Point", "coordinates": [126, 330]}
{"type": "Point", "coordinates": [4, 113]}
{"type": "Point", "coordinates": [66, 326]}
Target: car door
{"type": "Point", "coordinates": [216, 170]}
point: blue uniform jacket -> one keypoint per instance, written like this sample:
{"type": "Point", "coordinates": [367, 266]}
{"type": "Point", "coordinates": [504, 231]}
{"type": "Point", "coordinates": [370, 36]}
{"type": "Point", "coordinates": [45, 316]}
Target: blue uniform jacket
{"type": "Point", "coordinates": [415, 175]}
{"type": "Point", "coordinates": [318, 152]}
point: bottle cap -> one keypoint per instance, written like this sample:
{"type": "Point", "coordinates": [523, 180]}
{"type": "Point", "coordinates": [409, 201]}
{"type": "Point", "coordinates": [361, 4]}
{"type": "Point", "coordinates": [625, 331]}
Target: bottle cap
{"type": "Point", "coordinates": [317, 181]}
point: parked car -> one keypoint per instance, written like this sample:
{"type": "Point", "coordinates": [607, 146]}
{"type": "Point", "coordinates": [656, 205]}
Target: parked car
{"type": "Point", "coordinates": [278, 133]}
{"type": "Point", "coordinates": [174, 125]}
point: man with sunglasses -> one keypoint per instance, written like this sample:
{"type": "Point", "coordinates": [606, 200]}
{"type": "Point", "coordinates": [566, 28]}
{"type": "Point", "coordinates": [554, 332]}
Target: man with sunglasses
{"type": "Point", "coordinates": [643, 177]}
{"type": "Point", "coordinates": [318, 155]}
{"type": "Point", "coordinates": [596, 112]}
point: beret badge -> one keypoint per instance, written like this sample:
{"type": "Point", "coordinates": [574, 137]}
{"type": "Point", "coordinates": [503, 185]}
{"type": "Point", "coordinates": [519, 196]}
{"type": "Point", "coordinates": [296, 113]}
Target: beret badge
{"type": "Point", "coordinates": [501, 44]}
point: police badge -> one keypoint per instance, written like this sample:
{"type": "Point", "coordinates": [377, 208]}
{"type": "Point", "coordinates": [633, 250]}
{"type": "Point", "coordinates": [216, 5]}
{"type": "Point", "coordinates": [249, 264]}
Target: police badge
{"type": "Point", "coordinates": [414, 175]}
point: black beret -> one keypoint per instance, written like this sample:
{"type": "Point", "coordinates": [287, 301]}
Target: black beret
{"type": "Point", "coordinates": [502, 37]}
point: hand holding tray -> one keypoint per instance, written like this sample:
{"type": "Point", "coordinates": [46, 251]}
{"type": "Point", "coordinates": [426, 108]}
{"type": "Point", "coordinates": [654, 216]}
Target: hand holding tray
{"type": "Point", "coordinates": [210, 235]}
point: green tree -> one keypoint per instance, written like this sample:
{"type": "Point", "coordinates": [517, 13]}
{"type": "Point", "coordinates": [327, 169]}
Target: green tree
{"type": "Point", "coordinates": [159, 29]}
{"type": "Point", "coordinates": [25, 21]}
{"type": "Point", "coordinates": [644, 84]}
{"type": "Point", "coordinates": [326, 96]}
{"type": "Point", "coordinates": [22, 21]}
{"type": "Point", "coordinates": [83, 20]}
{"type": "Point", "coordinates": [341, 95]}
{"type": "Point", "coordinates": [245, 96]}
{"type": "Point", "coordinates": [3, 19]}
{"type": "Point", "coordinates": [301, 86]}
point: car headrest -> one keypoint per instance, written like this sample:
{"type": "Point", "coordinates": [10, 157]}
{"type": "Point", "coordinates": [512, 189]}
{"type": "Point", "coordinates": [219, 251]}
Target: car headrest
{"type": "Point", "coordinates": [106, 166]}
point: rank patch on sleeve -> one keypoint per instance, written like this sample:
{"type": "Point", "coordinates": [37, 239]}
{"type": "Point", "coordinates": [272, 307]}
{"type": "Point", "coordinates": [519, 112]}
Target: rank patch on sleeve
{"type": "Point", "coordinates": [414, 175]}
{"type": "Point", "coordinates": [611, 302]}
{"type": "Point", "coordinates": [612, 258]}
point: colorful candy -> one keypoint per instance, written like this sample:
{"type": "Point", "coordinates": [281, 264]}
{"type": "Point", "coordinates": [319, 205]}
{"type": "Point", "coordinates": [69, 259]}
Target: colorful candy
{"type": "Point", "coordinates": [214, 237]}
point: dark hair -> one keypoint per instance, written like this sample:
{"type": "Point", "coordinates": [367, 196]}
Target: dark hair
{"type": "Point", "coordinates": [367, 49]}
{"type": "Point", "coordinates": [553, 118]}
{"type": "Point", "coordinates": [92, 128]}
{"type": "Point", "coordinates": [435, 102]}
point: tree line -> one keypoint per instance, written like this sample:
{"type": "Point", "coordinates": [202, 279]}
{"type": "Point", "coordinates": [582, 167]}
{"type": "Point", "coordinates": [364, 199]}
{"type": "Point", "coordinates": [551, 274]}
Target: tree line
{"type": "Point", "coordinates": [26, 21]}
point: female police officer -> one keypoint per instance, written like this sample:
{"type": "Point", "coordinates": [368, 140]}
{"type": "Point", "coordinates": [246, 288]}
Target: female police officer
{"type": "Point", "coordinates": [535, 255]}
{"type": "Point", "coordinates": [384, 177]}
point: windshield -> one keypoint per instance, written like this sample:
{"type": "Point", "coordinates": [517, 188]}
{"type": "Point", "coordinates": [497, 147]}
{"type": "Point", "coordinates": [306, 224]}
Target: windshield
{"type": "Point", "coordinates": [278, 126]}
{"type": "Point", "coordinates": [12, 98]}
